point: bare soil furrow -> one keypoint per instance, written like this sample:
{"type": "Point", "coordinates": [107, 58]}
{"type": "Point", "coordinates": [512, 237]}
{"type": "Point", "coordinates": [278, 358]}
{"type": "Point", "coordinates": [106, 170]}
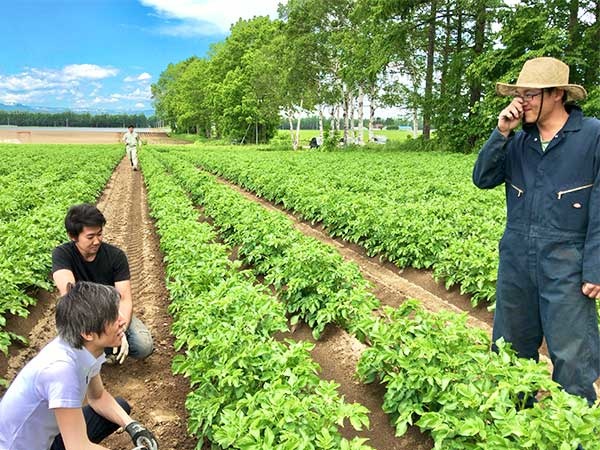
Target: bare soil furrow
{"type": "Point", "coordinates": [157, 397]}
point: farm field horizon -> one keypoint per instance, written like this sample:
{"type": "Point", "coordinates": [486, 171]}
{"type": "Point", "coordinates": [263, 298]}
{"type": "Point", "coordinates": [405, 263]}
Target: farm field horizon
{"type": "Point", "coordinates": [338, 238]}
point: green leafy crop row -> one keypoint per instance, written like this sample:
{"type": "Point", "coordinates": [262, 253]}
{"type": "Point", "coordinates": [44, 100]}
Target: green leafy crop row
{"type": "Point", "coordinates": [441, 375]}
{"type": "Point", "coordinates": [249, 390]}
{"type": "Point", "coordinates": [414, 209]}
{"type": "Point", "coordinates": [312, 279]}
{"type": "Point", "coordinates": [42, 181]}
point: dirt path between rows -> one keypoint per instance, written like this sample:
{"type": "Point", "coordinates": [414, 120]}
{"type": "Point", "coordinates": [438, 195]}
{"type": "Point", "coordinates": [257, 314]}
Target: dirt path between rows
{"type": "Point", "coordinates": [157, 397]}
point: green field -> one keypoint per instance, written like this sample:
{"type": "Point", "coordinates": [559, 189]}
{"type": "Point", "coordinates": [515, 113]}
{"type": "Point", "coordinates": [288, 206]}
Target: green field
{"type": "Point", "coordinates": [438, 372]}
{"type": "Point", "coordinates": [415, 209]}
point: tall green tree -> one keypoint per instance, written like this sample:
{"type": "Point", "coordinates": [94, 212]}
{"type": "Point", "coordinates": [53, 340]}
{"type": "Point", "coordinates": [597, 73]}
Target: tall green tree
{"type": "Point", "coordinates": [164, 93]}
{"type": "Point", "coordinates": [242, 109]}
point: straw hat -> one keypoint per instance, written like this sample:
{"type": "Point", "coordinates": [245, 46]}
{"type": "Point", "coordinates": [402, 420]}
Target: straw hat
{"type": "Point", "coordinates": [543, 73]}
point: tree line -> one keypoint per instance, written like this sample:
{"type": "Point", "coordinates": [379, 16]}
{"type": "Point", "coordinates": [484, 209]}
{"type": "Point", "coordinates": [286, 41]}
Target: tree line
{"type": "Point", "coordinates": [71, 119]}
{"type": "Point", "coordinates": [439, 61]}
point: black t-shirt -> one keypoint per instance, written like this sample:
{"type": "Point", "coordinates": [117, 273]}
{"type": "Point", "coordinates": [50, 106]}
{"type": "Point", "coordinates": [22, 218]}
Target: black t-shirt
{"type": "Point", "coordinates": [109, 266]}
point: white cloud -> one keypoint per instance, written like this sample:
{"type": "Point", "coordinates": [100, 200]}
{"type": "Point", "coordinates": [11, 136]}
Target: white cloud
{"type": "Point", "coordinates": [206, 17]}
{"type": "Point", "coordinates": [99, 100]}
{"type": "Point", "coordinates": [76, 85]}
{"type": "Point", "coordinates": [11, 99]}
{"type": "Point", "coordinates": [23, 82]}
{"type": "Point", "coordinates": [191, 28]}
{"type": "Point", "coordinates": [88, 71]}
{"type": "Point", "coordinates": [141, 77]}
{"type": "Point", "coordinates": [138, 96]}
{"type": "Point", "coordinates": [35, 97]}
{"type": "Point", "coordinates": [68, 77]}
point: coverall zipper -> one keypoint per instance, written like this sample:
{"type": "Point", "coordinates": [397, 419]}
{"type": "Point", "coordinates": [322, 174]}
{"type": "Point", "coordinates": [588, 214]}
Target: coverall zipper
{"type": "Point", "coordinates": [561, 193]}
{"type": "Point", "coordinates": [519, 190]}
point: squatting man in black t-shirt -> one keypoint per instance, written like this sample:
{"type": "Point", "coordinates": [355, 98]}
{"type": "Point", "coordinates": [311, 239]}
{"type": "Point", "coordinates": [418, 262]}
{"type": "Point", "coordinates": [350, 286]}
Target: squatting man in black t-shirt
{"type": "Point", "coordinates": [87, 258]}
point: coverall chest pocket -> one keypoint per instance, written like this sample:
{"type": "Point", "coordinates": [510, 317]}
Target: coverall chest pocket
{"type": "Point", "coordinates": [572, 207]}
{"type": "Point", "coordinates": [515, 202]}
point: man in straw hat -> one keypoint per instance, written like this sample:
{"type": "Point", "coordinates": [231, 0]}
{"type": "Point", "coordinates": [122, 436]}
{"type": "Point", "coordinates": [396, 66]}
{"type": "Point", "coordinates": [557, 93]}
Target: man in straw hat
{"type": "Point", "coordinates": [549, 271]}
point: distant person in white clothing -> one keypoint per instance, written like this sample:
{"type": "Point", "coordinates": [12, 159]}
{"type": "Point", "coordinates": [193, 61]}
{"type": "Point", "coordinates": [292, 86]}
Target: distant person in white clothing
{"type": "Point", "coordinates": [132, 140]}
{"type": "Point", "coordinates": [43, 407]}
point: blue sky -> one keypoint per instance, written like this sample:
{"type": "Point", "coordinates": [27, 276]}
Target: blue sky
{"type": "Point", "coordinates": [105, 54]}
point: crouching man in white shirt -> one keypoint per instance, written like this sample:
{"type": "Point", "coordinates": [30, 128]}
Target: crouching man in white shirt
{"type": "Point", "coordinates": [43, 407]}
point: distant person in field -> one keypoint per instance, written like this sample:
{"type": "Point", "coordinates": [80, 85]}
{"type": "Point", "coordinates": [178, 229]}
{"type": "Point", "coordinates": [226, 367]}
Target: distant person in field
{"type": "Point", "coordinates": [132, 140]}
{"type": "Point", "coordinates": [86, 258]}
{"type": "Point", "coordinates": [43, 407]}
{"type": "Point", "coordinates": [549, 272]}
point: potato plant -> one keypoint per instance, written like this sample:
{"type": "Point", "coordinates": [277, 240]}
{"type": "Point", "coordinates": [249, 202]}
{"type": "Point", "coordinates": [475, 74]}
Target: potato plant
{"type": "Point", "coordinates": [249, 391]}
{"type": "Point", "coordinates": [441, 376]}
{"type": "Point", "coordinates": [414, 209]}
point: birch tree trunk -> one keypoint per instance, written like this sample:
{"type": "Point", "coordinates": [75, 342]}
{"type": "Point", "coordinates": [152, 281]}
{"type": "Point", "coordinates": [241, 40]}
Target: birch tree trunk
{"type": "Point", "coordinates": [415, 126]}
{"type": "Point", "coordinates": [351, 128]}
{"type": "Point", "coordinates": [371, 120]}
{"type": "Point", "coordinates": [337, 118]}
{"type": "Point", "coordinates": [332, 120]}
{"type": "Point", "coordinates": [346, 118]}
{"type": "Point", "coordinates": [321, 120]}
{"type": "Point", "coordinates": [291, 122]}
{"type": "Point", "coordinates": [361, 104]}
{"type": "Point", "coordinates": [297, 139]}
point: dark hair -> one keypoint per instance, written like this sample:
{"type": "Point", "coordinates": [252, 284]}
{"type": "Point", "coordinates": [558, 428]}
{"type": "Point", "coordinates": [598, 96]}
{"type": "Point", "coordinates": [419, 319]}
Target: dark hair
{"type": "Point", "coordinates": [564, 96]}
{"type": "Point", "coordinates": [84, 215]}
{"type": "Point", "coordinates": [130, 126]}
{"type": "Point", "coordinates": [85, 308]}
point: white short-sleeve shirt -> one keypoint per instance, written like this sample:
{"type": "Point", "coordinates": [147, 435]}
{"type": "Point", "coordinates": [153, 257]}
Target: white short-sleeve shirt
{"type": "Point", "coordinates": [57, 377]}
{"type": "Point", "coordinates": [130, 138]}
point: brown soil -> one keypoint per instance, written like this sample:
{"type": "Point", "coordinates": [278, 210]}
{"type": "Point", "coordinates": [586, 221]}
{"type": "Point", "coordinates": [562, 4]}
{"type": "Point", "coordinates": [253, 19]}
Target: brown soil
{"type": "Point", "coordinates": [157, 397]}
{"type": "Point", "coordinates": [338, 353]}
{"type": "Point", "coordinates": [61, 136]}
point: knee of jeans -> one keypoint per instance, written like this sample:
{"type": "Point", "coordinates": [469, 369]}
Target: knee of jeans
{"type": "Point", "coordinates": [142, 346]}
{"type": "Point", "coordinates": [123, 404]}
{"type": "Point", "coordinates": [145, 350]}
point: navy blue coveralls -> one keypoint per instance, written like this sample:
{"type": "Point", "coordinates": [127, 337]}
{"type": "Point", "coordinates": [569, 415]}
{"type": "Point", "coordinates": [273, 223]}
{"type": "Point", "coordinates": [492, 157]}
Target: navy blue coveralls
{"type": "Point", "coordinates": [551, 245]}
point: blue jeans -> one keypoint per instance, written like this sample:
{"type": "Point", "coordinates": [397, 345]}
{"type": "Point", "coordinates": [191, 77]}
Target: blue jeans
{"type": "Point", "coordinates": [539, 295]}
{"type": "Point", "coordinates": [98, 428]}
{"type": "Point", "coordinates": [139, 339]}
